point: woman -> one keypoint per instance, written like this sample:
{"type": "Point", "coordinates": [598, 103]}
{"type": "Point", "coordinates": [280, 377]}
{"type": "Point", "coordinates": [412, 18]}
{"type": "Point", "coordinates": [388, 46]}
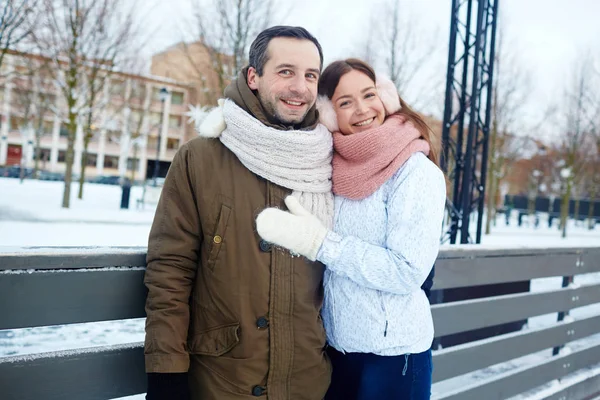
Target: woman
{"type": "Point", "coordinates": [389, 205]}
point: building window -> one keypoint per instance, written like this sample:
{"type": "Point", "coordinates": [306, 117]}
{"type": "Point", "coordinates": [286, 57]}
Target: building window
{"type": "Point", "coordinates": [152, 142]}
{"type": "Point", "coordinates": [135, 120]}
{"type": "Point", "coordinates": [62, 154]}
{"type": "Point", "coordinates": [48, 127]}
{"type": "Point", "coordinates": [111, 162]}
{"type": "Point", "coordinates": [16, 123]}
{"type": "Point", "coordinates": [177, 98]}
{"type": "Point", "coordinates": [132, 164]}
{"type": "Point", "coordinates": [46, 99]}
{"type": "Point", "coordinates": [138, 91]}
{"type": "Point", "coordinates": [154, 120]}
{"type": "Point", "coordinates": [113, 137]}
{"type": "Point", "coordinates": [91, 160]}
{"type": "Point", "coordinates": [44, 155]}
{"type": "Point", "coordinates": [172, 144]}
{"type": "Point", "coordinates": [64, 132]}
{"type": "Point", "coordinates": [174, 121]}
{"type": "Point", "coordinates": [117, 87]}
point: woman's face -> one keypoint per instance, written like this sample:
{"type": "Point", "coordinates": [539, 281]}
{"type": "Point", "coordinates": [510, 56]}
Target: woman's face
{"type": "Point", "coordinates": [357, 104]}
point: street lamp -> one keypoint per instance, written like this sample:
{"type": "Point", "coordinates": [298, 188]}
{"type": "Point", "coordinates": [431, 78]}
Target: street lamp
{"type": "Point", "coordinates": [163, 94]}
{"type": "Point", "coordinates": [565, 173]}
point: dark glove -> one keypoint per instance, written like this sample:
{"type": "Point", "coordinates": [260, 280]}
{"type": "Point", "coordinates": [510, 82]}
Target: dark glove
{"type": "Point", "coordinates": [168, 386]}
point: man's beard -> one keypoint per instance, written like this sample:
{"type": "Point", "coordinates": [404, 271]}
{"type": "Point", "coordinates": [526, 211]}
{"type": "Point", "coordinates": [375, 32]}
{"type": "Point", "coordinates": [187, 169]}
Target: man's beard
{"type": "Point", "coordinates": [273, 113]}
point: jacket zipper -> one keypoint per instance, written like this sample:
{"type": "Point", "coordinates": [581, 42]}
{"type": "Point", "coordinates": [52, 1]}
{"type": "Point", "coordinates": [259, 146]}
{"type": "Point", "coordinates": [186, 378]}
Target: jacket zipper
{"type": "Point", "coordinates": [384, 313]}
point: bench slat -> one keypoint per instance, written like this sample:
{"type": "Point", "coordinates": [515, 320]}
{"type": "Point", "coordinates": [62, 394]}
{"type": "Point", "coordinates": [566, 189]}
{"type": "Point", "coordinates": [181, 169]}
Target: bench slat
{"type": "Point", "coordinates": [462, 316]}
{"type": "Point", "coordinates": [526, 378]}
{"type": "Point", "coordinates": [485, 270]}
{"type": "Point", "coordinates": [472, 356]}
{"type": "Point", "coordinates": [54, 298]}
{"type": "Point", "coordinates": [90, 374]}
{"type": "Point", "coordinates": [19, 258]}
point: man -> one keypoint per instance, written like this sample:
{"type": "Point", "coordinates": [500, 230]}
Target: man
{"type": "Point", "coordinates": [229, 316]}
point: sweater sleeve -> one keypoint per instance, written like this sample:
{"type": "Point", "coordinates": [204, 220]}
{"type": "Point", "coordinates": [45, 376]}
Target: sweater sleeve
{"type": "Point", "coordinates": [415, 212]}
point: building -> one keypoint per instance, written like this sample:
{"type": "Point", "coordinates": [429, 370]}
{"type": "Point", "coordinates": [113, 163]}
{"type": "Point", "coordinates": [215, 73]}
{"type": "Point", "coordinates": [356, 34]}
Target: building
{"type": "Point", "coordinates": [197, 65]}
{"type": "Point", "coordinates": [125, 132]}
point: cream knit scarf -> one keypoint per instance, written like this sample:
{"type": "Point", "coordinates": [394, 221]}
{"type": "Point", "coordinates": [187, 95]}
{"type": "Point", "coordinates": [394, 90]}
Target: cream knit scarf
{"type": "Point", "coordinates": [299, 160]}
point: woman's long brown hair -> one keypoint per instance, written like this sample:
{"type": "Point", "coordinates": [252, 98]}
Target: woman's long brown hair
{"type": "Point", "coordinates": [331, 76]}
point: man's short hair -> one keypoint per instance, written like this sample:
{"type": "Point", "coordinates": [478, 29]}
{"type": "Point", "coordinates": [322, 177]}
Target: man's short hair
{"type": "Point", "coordinates": [259, 56]}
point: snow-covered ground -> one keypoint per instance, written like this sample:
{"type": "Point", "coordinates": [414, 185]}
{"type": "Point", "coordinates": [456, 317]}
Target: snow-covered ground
{"type": "Point", "coordinates": [30, 215]}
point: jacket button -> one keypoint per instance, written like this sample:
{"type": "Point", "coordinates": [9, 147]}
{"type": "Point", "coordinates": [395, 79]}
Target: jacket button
{"type": "Point", "coordinates": [262, 322]}
{"type": "Point", "coordinates": [257, 391]}
{"type": "Point", "coordinates": [264, 246]}
{"type": "Point", "coordinates": [217, 239]}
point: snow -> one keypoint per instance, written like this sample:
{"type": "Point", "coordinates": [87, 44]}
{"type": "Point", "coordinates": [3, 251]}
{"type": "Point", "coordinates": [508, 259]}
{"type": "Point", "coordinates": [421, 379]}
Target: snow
{"type": "Point", "coordinates": [32, 221]}
{"type": "Point", "coordinates": [53, 271]}
{"type": "Point", "coordinates": [28, 341]}
{"type": "Point", "coordinates": [67, 353]}
{"type": "Point", "coordinates": [31, 215]}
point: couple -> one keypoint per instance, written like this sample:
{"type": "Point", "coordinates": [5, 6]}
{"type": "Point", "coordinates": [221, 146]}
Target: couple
{"type": "Point", "coordinates": [253, 263]}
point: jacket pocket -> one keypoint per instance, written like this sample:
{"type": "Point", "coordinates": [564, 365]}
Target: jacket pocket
{"type": "Point", "coordinates": [218, 235]}
{"type": "Point", "coordinates": [215, 341]}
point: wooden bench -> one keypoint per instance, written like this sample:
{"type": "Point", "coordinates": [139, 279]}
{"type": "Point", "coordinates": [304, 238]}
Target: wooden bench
{"type": "Point", "coordinates": [42, 287]}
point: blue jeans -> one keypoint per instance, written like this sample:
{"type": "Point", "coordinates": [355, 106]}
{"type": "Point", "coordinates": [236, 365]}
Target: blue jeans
{"type": "Point", "coordinates": [364, 376]}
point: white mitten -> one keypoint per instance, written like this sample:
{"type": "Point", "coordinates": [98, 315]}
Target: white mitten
{"type": "Point", "coordinates": [297, 230]}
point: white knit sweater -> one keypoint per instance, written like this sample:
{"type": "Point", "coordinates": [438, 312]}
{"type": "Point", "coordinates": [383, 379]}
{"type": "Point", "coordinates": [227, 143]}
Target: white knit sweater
{"type": "Point", "coordinates": [377, 258]}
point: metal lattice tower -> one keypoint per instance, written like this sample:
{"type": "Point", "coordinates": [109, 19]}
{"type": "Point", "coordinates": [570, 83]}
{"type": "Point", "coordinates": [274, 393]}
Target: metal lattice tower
{"type": "Point", "coordinates": [467, 112]}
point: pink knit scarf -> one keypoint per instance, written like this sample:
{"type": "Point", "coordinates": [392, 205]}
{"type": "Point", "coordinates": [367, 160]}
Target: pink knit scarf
{"type": "Point", "coordinates": [364, 161]}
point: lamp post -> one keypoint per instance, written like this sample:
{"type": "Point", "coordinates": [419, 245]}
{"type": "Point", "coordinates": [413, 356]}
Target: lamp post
{"type": "Point", "coordinates": [565, 174]}
{"type": "Point", "coordinates": [163, 95]}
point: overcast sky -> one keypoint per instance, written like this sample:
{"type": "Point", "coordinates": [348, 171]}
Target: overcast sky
{"type": "Point", "coordinates": [548, 34]}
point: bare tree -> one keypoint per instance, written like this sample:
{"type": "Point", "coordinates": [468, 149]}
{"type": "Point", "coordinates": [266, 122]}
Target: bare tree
{"type": "Point", "coordinates": [223, 31]}
{"type": "Point", "coordinates": [34, 98]}
{"type": "Point", "coordinates": [25, 104]}
{"type": "Point", "coordinates": [137, 136]}
{"type": "Point", "coordinates": [86, 40]}
{"type": "Point", "coordinates": [593, 166]}
{"type": "Point", "coordinates": [17, 19]}
{"type": "Point", "coordinates": [592, 182]}
{"type": "Point", "coordinates": [136, 127]}
{"type": "Point", "coordinates": [577, 125]}
{"type": "Point", "coordinates": [510, 95]}
{"type": "Point", "coordinates": [395, 44]}
{"type": "Point", "coordinates": [408, 48]}
{"type": "Point", "coordinates": [367, 49]}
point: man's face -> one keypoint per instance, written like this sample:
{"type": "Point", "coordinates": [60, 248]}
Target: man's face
{"type": "Point", "coordinates": [288, 87]}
